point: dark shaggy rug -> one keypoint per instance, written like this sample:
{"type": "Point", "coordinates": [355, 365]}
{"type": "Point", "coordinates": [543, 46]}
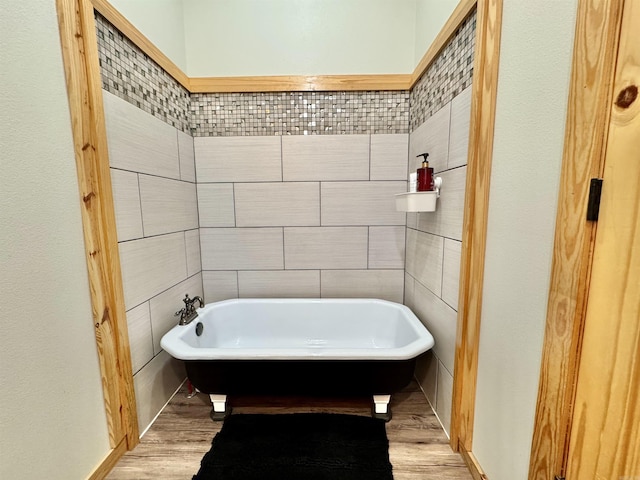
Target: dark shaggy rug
{"type": "Point", "coordinates": [307, 446]}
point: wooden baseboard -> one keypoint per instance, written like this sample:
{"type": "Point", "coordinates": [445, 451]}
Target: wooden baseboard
{"type": "Point", "coordinates": [109, 461]}
{"type": "Point", "coordinates": [474, 466]}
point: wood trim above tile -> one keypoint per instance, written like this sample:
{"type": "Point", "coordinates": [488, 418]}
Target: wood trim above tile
{"type": "Point", "coordinates": [461, 12]}
{"type": "Point", "coordinates": [108, 11]}
{"type": "Point", "coordinates": [287, 83]}
{"type": "Point", "coordinates": [300, 83]}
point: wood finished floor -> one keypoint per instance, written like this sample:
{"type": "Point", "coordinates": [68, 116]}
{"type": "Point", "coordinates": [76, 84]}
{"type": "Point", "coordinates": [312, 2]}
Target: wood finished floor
{"type": "Point", "coordinates": [174, 445]}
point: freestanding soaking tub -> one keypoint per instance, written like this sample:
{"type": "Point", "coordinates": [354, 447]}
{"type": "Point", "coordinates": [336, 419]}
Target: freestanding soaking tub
{"type": "Point", "coordinates": [300, 346]}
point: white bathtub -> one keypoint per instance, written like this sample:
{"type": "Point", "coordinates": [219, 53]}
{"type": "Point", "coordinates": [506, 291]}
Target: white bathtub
{"type": "Point", "coordinates": [300, 346]}
{"type": "Point", "coordinates": [300, 329]}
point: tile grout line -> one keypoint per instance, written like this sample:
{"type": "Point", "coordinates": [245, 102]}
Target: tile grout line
{"type": "Point", "coordinates": [320, 203]}
{"type": "Point", "coordinates": [284, 256]}
{"type": "Point", "coordinates": [140, 200]}
{"type": "Point", "coordinates": [233, 201]}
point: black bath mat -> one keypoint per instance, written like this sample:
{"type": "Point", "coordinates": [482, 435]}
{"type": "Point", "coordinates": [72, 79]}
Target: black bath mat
{"type": "Point", "coordinates": [303, 446]}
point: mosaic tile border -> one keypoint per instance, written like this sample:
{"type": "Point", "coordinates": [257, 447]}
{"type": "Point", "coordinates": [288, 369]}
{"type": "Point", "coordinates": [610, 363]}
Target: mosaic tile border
{"type": "Point", "coordinates": [299, 113]}
{"type": "Point", "coordinates": [448, 75]}
{"type": "Point", "coordinates": [131, 75]}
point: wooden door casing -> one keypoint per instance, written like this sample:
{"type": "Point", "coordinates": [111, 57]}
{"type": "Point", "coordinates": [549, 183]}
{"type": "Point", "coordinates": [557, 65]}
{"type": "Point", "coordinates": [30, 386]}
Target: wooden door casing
{"type": "Point", "coordinates": [605, 432]}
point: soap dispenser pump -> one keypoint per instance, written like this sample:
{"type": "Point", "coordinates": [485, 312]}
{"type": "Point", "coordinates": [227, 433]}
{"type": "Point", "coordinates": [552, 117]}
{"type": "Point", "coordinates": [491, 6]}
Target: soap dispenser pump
{"type": "Point", "coordinates": [425, 175]}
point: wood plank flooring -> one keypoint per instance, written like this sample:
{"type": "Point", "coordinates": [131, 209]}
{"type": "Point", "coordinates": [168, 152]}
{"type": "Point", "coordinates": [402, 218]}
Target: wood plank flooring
{"type": "Point", "coordinates": [174, 445]}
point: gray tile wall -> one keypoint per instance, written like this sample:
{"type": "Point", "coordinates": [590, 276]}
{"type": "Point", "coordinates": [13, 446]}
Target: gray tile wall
{"type": "Point", "coordinates": [439, 125]}
{"type": "Point", "coordinates": [283, 211]}
{"type": "Point", "coordinates": [153, 179]}
{"type": "Point", "coordinates": [318, 219]}
{"type": "Point", "coordinates": [434, 243]}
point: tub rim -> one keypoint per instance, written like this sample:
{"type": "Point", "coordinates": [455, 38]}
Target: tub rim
{"type": "Point", "coordinates": [173, 344]}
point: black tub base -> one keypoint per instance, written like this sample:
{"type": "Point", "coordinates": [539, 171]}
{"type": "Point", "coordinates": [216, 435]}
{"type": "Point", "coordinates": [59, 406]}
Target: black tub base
{"type": "Point", "coordinates": [219, 378]}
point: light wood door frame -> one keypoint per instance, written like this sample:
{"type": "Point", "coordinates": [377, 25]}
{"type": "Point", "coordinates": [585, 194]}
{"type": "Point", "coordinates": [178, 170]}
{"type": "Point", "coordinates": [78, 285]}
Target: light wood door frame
{"type": "Point", "coordinates": [605, 435]}
{"type": "Point", "coordinates": [84, 88]}
{"type": "Point", "coordinates": [79, 44]}
{"type": "Point", "coordinates": [474, 230]}
{"type": "Point", "coordinates": [595, 50]}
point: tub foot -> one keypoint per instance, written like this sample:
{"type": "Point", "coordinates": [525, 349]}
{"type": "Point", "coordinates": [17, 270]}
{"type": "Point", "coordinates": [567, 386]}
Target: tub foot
{"type": "Point", "coordinates": [220, 410]}
{"type": "Point", "coordinates": [191, 390]}
{"type": "Point", "coordinates": [381, 408]}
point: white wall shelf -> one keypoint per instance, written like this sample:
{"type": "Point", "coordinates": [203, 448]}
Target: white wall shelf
{"type": "Point", "coordinates": [419, 201]}
{"type": "Point", "coordinates": [416, 202]}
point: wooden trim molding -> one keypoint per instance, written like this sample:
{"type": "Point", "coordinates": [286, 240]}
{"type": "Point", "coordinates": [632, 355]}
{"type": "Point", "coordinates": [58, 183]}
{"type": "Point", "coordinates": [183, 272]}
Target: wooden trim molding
{"type": "Point", "coordinates": [80, 56]}
{"type": "Point", "coordinates": [108, 11]}
{"type": "Point", "coordinates": [605, 433]}
{"type": "Point", "coordinates": [287, 83]}
{"type": "Point", "coordinates": [300, 83]}
{"type": "Point", "coordinates": [109, 461]}
{"type": "Point", "coordinates": [283, 83]}
{"type": "Point", "coordinates": [481, 130]}
{"type": "Point", "coordinates": [473, 465]}
{"type": "Point", "coordinates": [590, 91]}
{"type": "Point", "coordinates": [461, 12]}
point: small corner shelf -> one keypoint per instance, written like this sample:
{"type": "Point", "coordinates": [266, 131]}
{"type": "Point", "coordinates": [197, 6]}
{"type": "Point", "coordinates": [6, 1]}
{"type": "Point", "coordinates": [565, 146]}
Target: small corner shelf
{"type": "Point", "coordinates": [416, 201]}
{"type": "Point", "coordinates": [419, 201]}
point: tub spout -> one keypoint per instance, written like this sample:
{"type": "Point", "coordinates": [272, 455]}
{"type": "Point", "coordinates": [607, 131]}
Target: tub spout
{"type": "Point", "coordinates": [197, 299]}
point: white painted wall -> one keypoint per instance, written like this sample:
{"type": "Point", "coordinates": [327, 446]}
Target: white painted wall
{"type": "Point", "coordinates": [535, 62]}
{"type": "Point", "coordinates": [430, 17]}
{"type": "Point", "coordinates": [298, 37]}
{"type": "Point", "coordinates": [290, 37]}
{"type": "Point", "coordinates": [51, 403]}
{"type": "Point", "coordinates": [161, 21]}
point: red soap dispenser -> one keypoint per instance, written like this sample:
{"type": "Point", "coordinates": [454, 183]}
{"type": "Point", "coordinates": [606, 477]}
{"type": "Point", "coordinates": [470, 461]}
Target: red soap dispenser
{"type": "Point", "coordinates": [425, 175]}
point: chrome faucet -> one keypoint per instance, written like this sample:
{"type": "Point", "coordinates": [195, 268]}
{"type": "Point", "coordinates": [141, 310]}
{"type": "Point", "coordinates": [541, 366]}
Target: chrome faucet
{"type": "Point", "coordinates": [188, 313]}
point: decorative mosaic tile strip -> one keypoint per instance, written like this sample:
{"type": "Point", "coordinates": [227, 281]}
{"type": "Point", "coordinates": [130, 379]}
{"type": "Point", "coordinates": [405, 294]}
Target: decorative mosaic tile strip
{"type": "Point", "coordinates": [447, 76]}
{"type": "Point", "coordinates": [131, 75]}
{"type": "Point", "coordinates": [299, 113]}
